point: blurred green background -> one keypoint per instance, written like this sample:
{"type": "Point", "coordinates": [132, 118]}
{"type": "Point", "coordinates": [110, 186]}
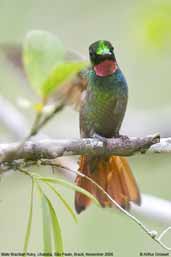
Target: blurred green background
{"type": "Point", "coordinates": [141, 34]}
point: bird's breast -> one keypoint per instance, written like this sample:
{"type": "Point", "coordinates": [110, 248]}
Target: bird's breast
{"type": "Point", "coordinates": [103, 107]}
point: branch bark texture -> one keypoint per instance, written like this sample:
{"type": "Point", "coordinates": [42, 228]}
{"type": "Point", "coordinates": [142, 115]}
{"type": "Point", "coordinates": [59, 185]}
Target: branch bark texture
{"type": "Point", "coordinates": [51, 149]}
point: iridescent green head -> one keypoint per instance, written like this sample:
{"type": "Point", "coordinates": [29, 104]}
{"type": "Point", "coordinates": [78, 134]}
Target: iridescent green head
{"type": "Point", "coordinates": [101, 50]}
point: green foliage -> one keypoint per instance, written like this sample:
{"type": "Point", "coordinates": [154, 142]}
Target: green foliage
{"type": "Point", "coordinates": [63, 201]}
{"type": "Point", "coordinates": [43, 58]}
{"type": "Point", "coordinates": [46, 222]}
{"type": "Point", "coordinates": [59, 74]}
{"type": "Point", "coordinates": [57, 235]}
{"type": "Point", "coordinates": [51, 227]}
{"type": "Point", "coordinates": [70, 185]}
{"type": "Point", "coordinates": [42, 52]}
{"type": "Point", "coordinates": [52, 236]}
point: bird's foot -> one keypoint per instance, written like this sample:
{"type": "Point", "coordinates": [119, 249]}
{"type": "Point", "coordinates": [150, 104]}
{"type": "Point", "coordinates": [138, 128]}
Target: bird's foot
{"type": "Point", "coordinates": [123, 137]}
{"type": "Point", "coordinates": [101, 138]}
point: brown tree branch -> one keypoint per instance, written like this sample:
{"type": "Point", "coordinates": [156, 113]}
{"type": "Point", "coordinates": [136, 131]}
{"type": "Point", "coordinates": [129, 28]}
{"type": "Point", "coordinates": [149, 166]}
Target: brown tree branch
{"type": "Point", "coordinates": [51, 149]}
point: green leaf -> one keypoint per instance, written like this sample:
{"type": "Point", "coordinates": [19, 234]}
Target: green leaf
{"type": "Point", "coordinates": [42, 52]}
{"type": "Point", "coordinates": [47, 242]}
{"type": "Point", "coordinates": [58, 242]}
{"type": "Point", "coordinates": [70, 185]}
{"type": "Point", "coordinates": [52, 225]}
{"type": "Point", "coordinates": [29, 223]}
{"type": "Point", "coordinates": [60, 74]}
{"type": "Point", "coordinates": [63, 201]}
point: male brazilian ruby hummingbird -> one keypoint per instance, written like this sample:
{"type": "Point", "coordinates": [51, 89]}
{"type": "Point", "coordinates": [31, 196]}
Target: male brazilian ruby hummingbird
{"type": "Point", "coordinates": [101, 114]}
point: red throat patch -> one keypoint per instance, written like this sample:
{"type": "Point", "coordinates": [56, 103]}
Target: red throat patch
{"type": "Point", "coordinates": [105, 68]}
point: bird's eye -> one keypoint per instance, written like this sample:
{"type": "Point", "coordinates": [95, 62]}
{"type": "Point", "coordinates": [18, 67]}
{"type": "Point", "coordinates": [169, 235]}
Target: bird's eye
{"type": "Point", "coordinates": [111, 49]}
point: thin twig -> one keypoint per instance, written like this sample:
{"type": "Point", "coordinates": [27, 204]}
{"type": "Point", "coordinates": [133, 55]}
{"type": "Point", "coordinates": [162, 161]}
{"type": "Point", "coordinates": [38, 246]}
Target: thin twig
{"type": "Point", "coordinates": [163, 233]}
{"type": "Point", "coordinates": [39, 122]}
{"type": "Point", "coordinates": [47, 118]}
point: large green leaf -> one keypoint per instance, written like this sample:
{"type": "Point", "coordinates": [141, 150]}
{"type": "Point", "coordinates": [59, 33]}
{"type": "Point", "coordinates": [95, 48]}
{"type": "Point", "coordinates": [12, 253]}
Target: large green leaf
{"type": "Point", "coordinates": [59, 74]}
{"type": "Point", "coordinates": [42, 52]}
{"type": "Point", "coordinates": [70, 185]}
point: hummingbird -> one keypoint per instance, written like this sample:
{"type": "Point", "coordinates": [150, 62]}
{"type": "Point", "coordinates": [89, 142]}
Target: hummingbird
{"type": "Point", "coordinates": [100, 93]}
{"type": "Point", "coordinates": [101, 114]}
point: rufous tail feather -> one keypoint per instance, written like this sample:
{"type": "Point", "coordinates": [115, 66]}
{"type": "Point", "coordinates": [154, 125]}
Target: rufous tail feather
{"type": "Point", "coordinates": [114, 175]}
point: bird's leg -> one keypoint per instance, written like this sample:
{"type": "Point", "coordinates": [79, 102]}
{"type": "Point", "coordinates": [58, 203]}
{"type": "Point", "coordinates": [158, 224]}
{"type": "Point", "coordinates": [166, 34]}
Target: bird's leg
{"type": "Point", "coordinates": [100, 138]}
{"type": "Point", "coordinates": [123, 137]}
